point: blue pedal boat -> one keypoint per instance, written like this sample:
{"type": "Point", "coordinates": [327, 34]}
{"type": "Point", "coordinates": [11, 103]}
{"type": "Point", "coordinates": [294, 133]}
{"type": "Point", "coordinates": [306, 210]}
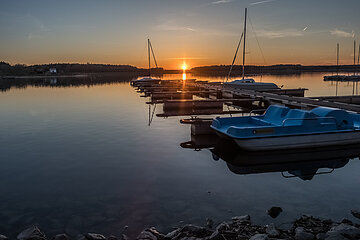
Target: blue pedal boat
{"type": "Point", "coordinates": [282, 128]}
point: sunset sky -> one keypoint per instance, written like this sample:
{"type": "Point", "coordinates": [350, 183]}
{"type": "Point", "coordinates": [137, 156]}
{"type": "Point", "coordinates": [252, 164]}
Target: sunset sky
{"type": "Point", "coordinates": [197, 32]}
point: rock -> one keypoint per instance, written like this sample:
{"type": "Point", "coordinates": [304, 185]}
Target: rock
{"type": "Point", "coordinates": [216, 235]}
{"type": "Point", "coordinates": [327, 221]}
{"type": "Point", "coordinates": [259, 237]}
{"type": "Point", "coordinates": [62, 236]}
{"type": "Point", "coordinates": [271, 230]}
{"type": "Point", "coordinates": [191, 238]}
{"type": "Point", "coordinates": [244, 218]}
{"type": "Point", "coordinates": [222, 226]}
{"type": "Point", "coordinates": [188, 231]}
{"type": "Point", "coordinates": [80, 237]}
{"type": "Point", "coordinates": [94, 236]}
{"type": "Point", "coordinates": [3, 237]}
{"type": "Point", "coordinates": [347, 221]}
{"type": "Point", "coordinates": [334, 236]}
{"type": "Point", "coordinates": [156, 233]}
{"type": "Point", "coordinates": [301, 234]}
{"type": "Point", "coordinates": [173, 234]}
{"type": "Point", "coordinates": [146, 235]}
{"type": "Point", "coordinates": [31, 233]}
{"type": "Point", "coordinates": [150, 234]}
{"type": "Point", "coordinates": [112, 237]}
{"type": "Point", "coordinates": [345, 230]}
{"type": "Point", "coordinates": [274, 211]}
{"type": "Point", "coordinates": [355, 213]}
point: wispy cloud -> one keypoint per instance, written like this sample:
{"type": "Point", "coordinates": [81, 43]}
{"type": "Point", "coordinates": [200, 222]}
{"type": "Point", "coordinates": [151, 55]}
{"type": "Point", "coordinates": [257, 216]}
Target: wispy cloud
{"type": "Point", "coordinates": [32, 36]}
{"type": "Point", "coordinates": [173, 26]}
{"type": "Point", "coordinates": [280, 33]}
{"type": "Point", "coordinates": [260, 2]}
{"type": "Point", "coordinates": [167, 26]}
{"type": "Point", "coordinates": [221, 2]}
{"type": "Point", "coordinates": [341, 33]}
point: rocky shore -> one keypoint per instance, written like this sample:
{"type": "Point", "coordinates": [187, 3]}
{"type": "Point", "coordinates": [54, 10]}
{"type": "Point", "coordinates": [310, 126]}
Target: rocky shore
{"type": "Point", "coordinates": [241, 227]}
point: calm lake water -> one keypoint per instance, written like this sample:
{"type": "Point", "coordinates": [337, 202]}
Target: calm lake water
{"type": "Point", "coordinates": [83, 159]}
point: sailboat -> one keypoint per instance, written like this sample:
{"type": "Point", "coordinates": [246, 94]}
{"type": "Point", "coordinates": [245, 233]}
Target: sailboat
{"type": "Point", "coordinates": [148, 79]}
{"type": "Point", "coordinates": [247, 83]}
{"type": "Point", "coordinates": [344, 78]}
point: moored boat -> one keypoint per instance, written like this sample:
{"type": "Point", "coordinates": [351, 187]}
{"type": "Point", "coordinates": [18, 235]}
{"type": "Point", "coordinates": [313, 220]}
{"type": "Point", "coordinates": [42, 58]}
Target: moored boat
{"type": "Point", "coordinates": [281, 127]}
{"type": "Point", "coordinates": [148, 80]}
{"type": "Point", "coordinates": [250, 84]}
{"type": "Point", "coordinates": [246, 83]}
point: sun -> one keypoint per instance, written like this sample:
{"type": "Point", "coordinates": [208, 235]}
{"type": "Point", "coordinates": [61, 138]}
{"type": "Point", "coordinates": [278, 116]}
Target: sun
{"type": "Point", "coordinates": [184, 67]}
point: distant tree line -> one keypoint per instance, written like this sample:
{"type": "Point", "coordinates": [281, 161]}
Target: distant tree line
{"type": "Point", "coordinates": [223, 70]}
{"type": "Point", "coordinates": [71, 68]}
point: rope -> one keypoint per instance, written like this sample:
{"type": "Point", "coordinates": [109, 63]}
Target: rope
{"type": "Point", "coordinates": [253, 29]}
{"type": "Point", "coordinates": [152, 51]}
{"type": "Point", "coordinates": [232, 64]}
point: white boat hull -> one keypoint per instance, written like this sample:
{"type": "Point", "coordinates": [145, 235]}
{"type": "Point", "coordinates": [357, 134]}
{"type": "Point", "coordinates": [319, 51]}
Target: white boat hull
{"type": "Point", "coordinates": [299, 141]}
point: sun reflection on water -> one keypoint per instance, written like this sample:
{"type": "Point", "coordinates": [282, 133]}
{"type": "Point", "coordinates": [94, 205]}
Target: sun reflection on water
{"type": "Point", "coordinates": [184, 76]}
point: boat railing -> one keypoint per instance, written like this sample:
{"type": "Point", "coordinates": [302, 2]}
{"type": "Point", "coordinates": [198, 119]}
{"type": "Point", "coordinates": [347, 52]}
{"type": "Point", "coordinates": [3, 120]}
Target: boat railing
{"type": "Point", "coordinates": [256, 112]}
{"type": "Point", "coordinates": [317, 118]}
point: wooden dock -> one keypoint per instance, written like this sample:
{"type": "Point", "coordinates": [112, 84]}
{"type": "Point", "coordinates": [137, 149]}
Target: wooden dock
{"type": "Point", "coordinates": [202, 98]}
{"type": "Point", "coordinates": [178, 95]}
{"type": "Point", "coordinates": [286, 100]}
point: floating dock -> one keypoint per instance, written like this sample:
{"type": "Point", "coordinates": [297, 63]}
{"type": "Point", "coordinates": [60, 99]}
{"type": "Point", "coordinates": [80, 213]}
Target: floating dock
{"type": "Point", "coordinates": [198, 98]}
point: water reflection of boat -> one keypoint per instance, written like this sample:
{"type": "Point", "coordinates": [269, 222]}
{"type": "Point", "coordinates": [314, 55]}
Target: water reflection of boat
{"type": "Point", "coordinates": [199, 142]}
{"type": "Point", "coordinates": [304, 163]}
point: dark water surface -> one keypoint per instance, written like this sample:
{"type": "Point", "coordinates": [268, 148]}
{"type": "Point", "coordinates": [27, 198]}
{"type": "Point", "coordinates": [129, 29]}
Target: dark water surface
{"type": "Point", "coordinates": [83, 159]}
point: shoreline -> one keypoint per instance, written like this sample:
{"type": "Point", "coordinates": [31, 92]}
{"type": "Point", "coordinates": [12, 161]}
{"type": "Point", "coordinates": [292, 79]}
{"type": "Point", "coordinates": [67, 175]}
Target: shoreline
{"type": "Point", "coordinates": [45, 76]}
{"type": "Point", "coordinates": [306, 227]}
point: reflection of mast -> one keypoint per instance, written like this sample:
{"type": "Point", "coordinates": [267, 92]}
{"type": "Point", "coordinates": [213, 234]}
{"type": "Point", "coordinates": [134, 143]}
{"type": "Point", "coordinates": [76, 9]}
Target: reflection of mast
{"type": "Point", "coordinates": [148, 47]}
{"type": "Point", "coordinates": [243, 67]}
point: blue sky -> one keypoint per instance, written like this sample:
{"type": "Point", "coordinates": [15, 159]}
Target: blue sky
{"type": "Point", "coordinates": [199, 32]}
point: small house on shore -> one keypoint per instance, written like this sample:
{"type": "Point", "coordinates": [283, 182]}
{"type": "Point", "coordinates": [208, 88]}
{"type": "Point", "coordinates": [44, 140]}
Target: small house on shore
{"type": "Point", "coordinates": [52, 70]}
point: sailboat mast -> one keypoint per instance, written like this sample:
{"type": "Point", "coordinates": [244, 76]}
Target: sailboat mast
{"type": "Point", "coordinates": [148, 45]}
{"type": "Point", "coordinates": [357, 68]}
{"type": "Point", "coordinates": [243, 67]}
{"type": "Point", "coordinates": [337, 59]}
